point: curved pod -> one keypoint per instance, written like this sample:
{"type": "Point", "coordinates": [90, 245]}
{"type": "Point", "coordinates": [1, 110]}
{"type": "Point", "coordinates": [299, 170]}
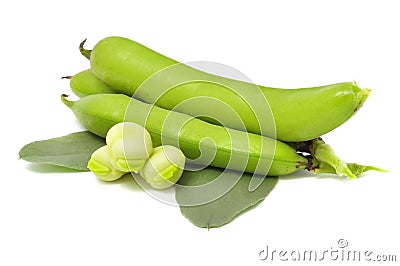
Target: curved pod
{"type": "Point", "coordinates": [261, 155]}
{"type": "Point", "coordinates": [85, 83]}
{"type": "Point", "coordinates": [300, 114]}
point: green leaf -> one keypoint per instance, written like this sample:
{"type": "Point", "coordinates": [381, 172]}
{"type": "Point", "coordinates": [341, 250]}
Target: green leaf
{"type": "Point", "coordinates": [224, 209]}
{"type": "Point", "coordinates": [72, 151]}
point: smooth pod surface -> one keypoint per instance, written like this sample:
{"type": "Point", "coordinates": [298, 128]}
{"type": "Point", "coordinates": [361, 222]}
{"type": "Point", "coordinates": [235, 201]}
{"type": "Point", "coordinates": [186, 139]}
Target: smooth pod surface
{"type": "Point", "coordinates": [85, 83]}
{"type": "Point", "coordinates": [199, 141]}
{"type": "Point", "coordinates": [300, 114]}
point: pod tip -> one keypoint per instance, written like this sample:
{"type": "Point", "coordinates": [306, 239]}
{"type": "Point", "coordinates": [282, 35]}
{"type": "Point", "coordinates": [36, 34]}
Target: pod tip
{"type": "Point", "coordinates": [66, 101]}
{"type": "Point", "coordinates": [361, 95]}
{"type": "Point", "coordinates": [86, 53]}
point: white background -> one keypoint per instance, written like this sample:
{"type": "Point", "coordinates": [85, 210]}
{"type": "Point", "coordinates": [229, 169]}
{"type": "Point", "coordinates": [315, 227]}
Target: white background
{"type": "Point", "coordinates": [62, 218]}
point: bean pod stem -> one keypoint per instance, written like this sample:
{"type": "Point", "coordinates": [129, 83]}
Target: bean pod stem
{"type": "Point", "coordinates": [323, 159]}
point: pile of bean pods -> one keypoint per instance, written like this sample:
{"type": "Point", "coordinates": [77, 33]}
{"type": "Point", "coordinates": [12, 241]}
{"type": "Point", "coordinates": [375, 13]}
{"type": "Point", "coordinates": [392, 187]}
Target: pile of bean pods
{"type": "Point", "coordinates": [252, 128]}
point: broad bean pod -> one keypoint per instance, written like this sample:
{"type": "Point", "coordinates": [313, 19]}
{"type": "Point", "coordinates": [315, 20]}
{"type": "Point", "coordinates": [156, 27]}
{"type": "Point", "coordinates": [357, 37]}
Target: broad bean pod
{"type": "Point", "coordinates": [85, 83]}
{"type": "Point", "coordinates": [229, 148]}
{"type": "Point", "coordinates": [299, 114]}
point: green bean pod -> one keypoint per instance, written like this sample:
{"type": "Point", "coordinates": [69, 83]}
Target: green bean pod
{"type": "Point", "coordinates": [299, 114]}
{"type": "Point", "coordinates": [228, 148]}
{"type": "Point", "coordinates": [85, 83]}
